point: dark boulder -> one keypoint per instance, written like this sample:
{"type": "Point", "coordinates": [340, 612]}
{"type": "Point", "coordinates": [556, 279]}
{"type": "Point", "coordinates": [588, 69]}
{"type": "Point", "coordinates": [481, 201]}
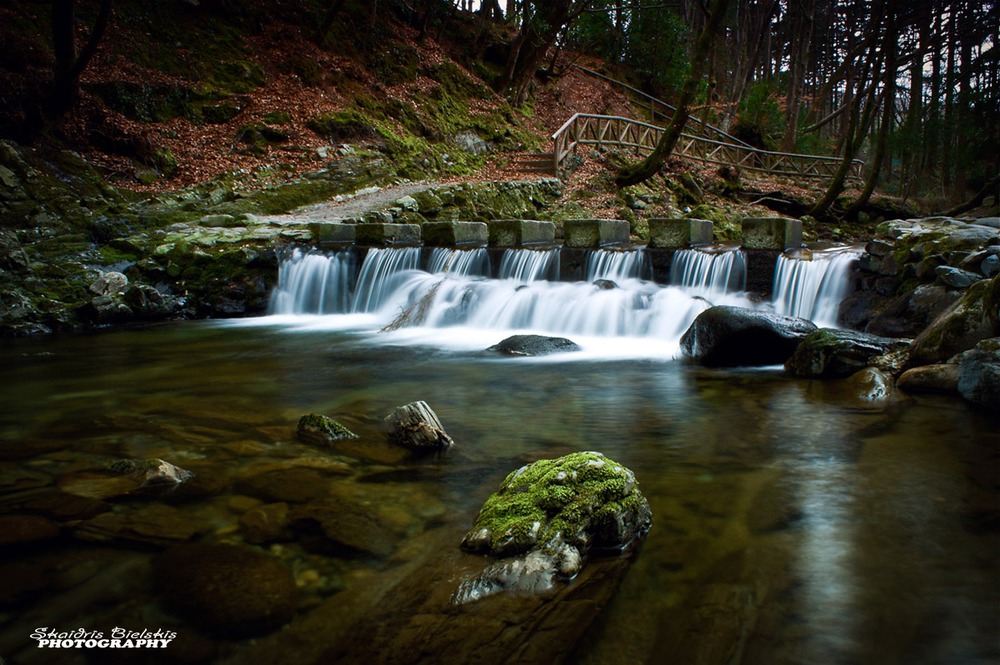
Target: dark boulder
{"type": "Point", "coordinates": [979, 375]}
{"type": "Point", "coordinates": [228, 590]}
{"type": "Point", "coordinates": [534, 345]}
{"type": "Point", "coordinates": [831, 352]}
{"type": "Point", "coordinates": [973, 318]}
{"type": "Point", "coordinates": [726, 336]}
{"type": "Point", "coordinates": [910, 313]}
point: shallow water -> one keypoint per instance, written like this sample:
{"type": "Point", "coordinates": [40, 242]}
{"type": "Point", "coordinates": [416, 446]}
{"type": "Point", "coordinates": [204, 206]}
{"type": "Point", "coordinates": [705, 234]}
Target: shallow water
{"type": "Point", "coordinates": [793, 523]}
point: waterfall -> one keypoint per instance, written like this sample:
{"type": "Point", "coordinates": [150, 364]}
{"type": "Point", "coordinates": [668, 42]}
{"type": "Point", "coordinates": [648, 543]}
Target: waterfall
{"type": "Point", "coordinates": [472, 262]}
{"type": "Point", "coordinates": [709, 273]}
{"type": "Point", "coordinates": [380, 275]}
{"type": "Point", "coordinates": [313, 283]}
{"type": "Point", "coordinates": [812, 287]}
{"type": "Point", "coordinates": [529, 265]}
{"type": "Point", "coordinates": [617, 265]}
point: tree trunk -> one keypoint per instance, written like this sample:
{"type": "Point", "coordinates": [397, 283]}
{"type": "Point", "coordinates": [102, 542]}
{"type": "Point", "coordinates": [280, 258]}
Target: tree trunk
{"type": "Point", "coordinates": [635, 173]}
{"type": "Point", "coordinates": [888, 108]}
{"type": "Point", "coordinates": [538, 32]}
{"type": "Point", "coordinates": [802, 27]}
{"type": "Point", "coordinates": [69, 63]}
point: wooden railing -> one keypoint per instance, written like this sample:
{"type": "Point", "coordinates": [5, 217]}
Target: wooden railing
{"type": "Point", "coordinates": [641, 137]}
{"type": "Point", "coordinates": [660, 109]}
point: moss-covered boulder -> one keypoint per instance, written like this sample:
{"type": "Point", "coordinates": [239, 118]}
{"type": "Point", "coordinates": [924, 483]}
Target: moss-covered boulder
{"type": "Point", "coordinates": [975, 317]}
{"type": "Point", "coordinates": [551, 514]}
{"type": "Point", "coordinates": [831, 352]}
{"type": "Point", "coordinates": [320, 430]}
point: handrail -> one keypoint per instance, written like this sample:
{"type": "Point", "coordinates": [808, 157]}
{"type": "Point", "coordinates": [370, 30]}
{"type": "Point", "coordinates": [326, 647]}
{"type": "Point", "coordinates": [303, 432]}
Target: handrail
{"type": "Point", "coordinates": [653, 101]}
{"type": "Point", "coordinates": [593, 129]}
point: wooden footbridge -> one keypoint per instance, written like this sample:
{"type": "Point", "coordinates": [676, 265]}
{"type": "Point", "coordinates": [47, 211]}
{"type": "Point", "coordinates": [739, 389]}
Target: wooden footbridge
{"type": "Point", "coordinates": [703, 143]}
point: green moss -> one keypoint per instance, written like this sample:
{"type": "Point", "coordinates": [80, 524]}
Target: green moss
{"type": "Point", "coordinates": [341, 126]}
{"type": "Point", "coordinates": [571, 499]}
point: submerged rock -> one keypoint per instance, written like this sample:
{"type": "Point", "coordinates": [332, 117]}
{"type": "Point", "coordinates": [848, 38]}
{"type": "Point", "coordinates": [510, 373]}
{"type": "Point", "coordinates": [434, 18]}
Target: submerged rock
{"type": "Point", "coordinates": [416, 426]}
{"type": "Point", "coordinates": [726, 336]}
{"type": "Point", "coordinates": [153, 475]}
{"type": "Point", "coordinates": [225, 589]}
{"type": "Point", "coordinates": [550, 515]}
{"type": "Point", "coordinates": [533, 345]}
{"type": "Point", "coordinates": [321, 430]}
{"type": "Point", "coordinates": [830, 352]}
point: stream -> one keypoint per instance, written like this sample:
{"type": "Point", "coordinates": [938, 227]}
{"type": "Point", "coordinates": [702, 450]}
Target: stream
{"type": "Point", "coordinates": [793, 522]}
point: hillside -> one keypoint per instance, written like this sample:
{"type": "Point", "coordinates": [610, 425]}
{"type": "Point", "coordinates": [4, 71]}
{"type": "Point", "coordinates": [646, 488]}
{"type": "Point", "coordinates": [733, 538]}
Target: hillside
{"type": "Point", "coordinates": [180, 94]}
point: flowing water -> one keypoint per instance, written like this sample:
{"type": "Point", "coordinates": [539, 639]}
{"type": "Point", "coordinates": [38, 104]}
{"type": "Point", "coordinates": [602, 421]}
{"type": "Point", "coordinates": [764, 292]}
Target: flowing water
{"type": "Point", "coordinates": [794, 522]}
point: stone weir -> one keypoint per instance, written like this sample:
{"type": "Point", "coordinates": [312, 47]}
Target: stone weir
{"type": "Point", "coordinates": [764, 239]}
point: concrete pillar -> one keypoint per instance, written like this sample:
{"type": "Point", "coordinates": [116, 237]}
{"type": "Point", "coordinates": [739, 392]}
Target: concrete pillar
{"type": "Point", "coordinates": [520, 232]}
{"type": "Point", "coordinates": [376, 234]}
{"type": "Point", "coordinates": [773, 233]}
{"type": "Point", "coordinates": [679, 232]}
{"type": "Point", "coordinates": [325, 233]}
{"type": "Point", "coordinates": [589, 233]}
{"type": "Point", "coordinates": [450, 234]}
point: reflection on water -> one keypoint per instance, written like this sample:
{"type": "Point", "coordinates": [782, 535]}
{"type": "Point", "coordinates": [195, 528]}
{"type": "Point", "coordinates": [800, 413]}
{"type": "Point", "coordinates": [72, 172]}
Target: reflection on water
{"type": "Point", "coordinates": [791, 524]}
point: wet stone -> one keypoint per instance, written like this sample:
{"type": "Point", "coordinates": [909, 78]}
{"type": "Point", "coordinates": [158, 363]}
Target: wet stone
{"type": "Point", "coordinates": [154, 524]}
{"type": "Point", "coordinates": [533, 345]}
{"type": "Point", "coordinates": [415, 426]}
{"type": "Point", "coordinates": [227, 590]}
{"type": "Point", "coordinates": [266, 524]}
{"type": "Point", "coordinates": [341, 527]}
{"type": "Point", "coordinates": [26, 529]}
{"type": "Point", "coordinates": [293, 485]}
{"type": "Point", "coordinates": [62, 506]}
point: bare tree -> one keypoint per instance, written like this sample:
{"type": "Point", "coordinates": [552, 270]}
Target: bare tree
{"type": "Point", "coordinates": [69, 60]}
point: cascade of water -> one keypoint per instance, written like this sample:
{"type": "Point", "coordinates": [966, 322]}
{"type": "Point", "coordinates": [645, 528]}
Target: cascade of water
{"type": "Point", "coordinates": [709, 273]}
{"type": "Point", "coordinates": [313, 283]}
{"type": "Point", "coordinates": [813, 288]}
{"type": "Point", "coordinates": [380, 275]}
{"type": "Point", "coordinates": [617, 265]}
{"type": "Point", "coordinates": [529, 265]}
{"type": "Point", "coordinates": [473, 262]}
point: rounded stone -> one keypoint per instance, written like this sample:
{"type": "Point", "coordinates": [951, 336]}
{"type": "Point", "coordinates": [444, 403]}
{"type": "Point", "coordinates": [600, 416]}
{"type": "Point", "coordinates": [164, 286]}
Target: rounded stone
{"type": "Point", "coordinates": [227, 590]}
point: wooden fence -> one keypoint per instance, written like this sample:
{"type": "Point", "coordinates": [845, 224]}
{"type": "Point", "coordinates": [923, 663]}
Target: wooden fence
{"type": "Point", "coordinates": [641, 137]}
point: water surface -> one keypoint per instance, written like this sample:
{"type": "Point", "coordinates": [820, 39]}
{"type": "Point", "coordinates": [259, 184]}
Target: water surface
{"type": "Point", "coordinates": [793, 522]}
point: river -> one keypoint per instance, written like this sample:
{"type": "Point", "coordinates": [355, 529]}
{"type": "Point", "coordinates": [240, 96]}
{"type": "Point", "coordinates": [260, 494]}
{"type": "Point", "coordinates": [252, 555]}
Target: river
{"type": "Point", "coordinates": [793, 522]}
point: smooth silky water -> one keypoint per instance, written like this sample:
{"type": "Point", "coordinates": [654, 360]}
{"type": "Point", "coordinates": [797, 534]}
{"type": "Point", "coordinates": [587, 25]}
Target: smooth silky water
{"type": "Point", "coordinates": [793, 521]}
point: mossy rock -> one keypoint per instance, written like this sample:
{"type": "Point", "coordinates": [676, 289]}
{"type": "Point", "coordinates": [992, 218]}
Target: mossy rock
{"type": "Point", "coordinates": [341, 126]}
{"type": "Point", "coordinates": [974, 317]}
{"type": "Point", "coordinates": [584, 500]}
{"type": "Point", "coordinates": [317, 429]}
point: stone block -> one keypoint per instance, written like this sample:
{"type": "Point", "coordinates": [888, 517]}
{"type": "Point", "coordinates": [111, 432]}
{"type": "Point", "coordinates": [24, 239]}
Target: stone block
{"type": "Point", "coordinates": [588, 233]}
{"type": "Point", "coordinates": [679, 232]}
{"type": "Point", "coordinates": [520, 232]}
{"type": "Point", "coordinates": [450, 234]}
{"type": "Point", "coordinates": [776, 233]}
{"type": "Point", "coordinates": [332, 232]}
{"type": "Point", "coordinates": [376, 234]}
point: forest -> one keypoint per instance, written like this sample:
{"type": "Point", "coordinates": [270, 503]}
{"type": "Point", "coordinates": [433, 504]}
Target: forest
{"type": "Point", "coordinates": [909, 87]}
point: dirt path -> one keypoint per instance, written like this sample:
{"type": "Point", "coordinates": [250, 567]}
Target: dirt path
{"type": "Point", "coordinates": [345, 206]}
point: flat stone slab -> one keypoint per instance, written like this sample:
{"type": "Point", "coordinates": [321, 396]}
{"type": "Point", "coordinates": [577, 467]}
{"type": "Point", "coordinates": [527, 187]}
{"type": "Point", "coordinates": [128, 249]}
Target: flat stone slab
{"type": "Point", "coordinates": [520, 232]}
{"type": "Point", "coordinates": [587, 233]}
{"type": "Point", "coordinates": [369, 233]}
{"type": "Point", "coordinates": [776, 233]}
{"type": "Point", "coordinates": [449, 234]}
{"type": "Point", "coordinates": [679, 232]}
{"type": "Point", "coordinates": [332, 232]}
